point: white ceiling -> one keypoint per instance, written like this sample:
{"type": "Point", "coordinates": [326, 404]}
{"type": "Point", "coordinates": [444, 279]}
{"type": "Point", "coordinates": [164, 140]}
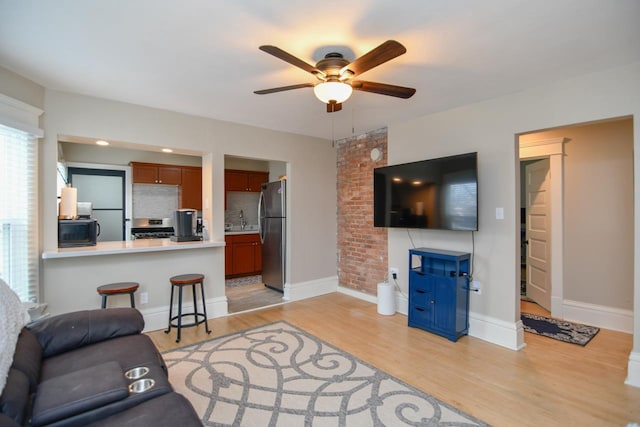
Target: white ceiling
{"type": "Point", "coordinates": [201, 57]}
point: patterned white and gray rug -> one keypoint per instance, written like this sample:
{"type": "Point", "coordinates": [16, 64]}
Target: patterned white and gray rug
{"type": "Point", "coordinates": [279, 375]}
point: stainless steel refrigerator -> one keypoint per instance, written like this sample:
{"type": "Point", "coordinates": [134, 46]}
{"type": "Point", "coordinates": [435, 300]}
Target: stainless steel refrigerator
{"type": "Point", "coordinates": [272, 215]}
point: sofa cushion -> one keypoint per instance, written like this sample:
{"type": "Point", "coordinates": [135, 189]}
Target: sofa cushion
{"type": "Point", "coordinates": [28, 357]}
{"type": "Point", "coordinates": [129, 351]}
{"type": "Point", "coordinates": [13, 317]}
{"type": "Point", "coordinates": [168, 410]}
{"type": "Point", "coordinates": [77, 392]}
{"type": "Point", "coordinates": [15, 398]}
{"type": "Point", "coordinates": [70, 331]}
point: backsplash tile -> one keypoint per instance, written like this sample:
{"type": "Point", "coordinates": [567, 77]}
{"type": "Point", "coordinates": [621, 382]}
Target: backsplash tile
{"type": "Point", "coordinates": [247, 202]}
{"type": "Point", "coordinates": [154, 200]}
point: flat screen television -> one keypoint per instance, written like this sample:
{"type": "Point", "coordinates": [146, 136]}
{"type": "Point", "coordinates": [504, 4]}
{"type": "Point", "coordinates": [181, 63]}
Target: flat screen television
{"type": "Point", "coordinates": [439, 194]}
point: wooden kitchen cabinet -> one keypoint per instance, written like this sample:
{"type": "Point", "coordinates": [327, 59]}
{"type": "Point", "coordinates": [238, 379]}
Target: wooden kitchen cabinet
{"type": "Point", "coordinates": [154, 173]}
{"type": "Point", "coordinates": [191, 188]}
{"type": "Point", "coordinates": [243, 255]}
{"type": "Point", "coordinates": [241, 180]}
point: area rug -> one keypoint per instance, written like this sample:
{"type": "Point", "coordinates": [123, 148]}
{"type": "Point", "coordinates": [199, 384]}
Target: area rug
{"type": "Point", "coordinates": [573, 333]}
{"type": "Point", "coordinates": [279, 375]}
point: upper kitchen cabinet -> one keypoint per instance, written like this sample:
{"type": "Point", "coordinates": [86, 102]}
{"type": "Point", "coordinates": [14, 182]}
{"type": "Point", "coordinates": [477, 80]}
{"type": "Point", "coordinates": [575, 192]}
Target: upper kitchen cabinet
{"type": "Point", "coordinates": [191, 188]}
{"type": "Point", "coordinates": [154, 173]}
{"type": "Point", "coordinates": [241, 180]}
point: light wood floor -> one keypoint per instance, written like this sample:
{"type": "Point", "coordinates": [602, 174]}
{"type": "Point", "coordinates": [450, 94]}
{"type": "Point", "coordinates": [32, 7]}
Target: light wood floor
{"type": "Point", "coordinates": [548, 383]}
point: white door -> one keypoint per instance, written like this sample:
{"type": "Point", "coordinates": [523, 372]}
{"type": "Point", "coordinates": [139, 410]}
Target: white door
{"type": "Point", "coordinates": [538, 232]}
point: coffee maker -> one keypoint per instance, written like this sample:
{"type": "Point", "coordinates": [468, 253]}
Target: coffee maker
{"type": "Point", "coordinates": [185, 226]}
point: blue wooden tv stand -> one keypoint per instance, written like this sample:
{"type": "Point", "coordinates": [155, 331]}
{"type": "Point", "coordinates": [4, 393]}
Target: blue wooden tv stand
{"type": "Point", "coordinates": [439, 291]}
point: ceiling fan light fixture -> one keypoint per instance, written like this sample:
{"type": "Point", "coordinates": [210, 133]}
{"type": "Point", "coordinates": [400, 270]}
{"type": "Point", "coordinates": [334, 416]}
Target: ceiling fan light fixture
{"type": "Point", "coordinates": [332, 91]}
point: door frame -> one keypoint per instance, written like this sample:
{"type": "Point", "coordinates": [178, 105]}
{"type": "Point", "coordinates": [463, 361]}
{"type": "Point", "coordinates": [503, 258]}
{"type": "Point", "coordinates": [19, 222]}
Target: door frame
{"type": "Point", "coordinates": [554, 150]}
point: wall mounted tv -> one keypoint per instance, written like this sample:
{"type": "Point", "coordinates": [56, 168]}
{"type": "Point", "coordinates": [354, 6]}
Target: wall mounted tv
{"type": "Point", "coordinates": [439, 194]}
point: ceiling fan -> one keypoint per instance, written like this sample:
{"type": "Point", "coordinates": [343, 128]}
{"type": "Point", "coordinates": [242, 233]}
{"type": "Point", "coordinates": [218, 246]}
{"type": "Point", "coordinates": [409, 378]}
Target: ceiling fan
{"type": "Point", "coordinates": [336, 74]}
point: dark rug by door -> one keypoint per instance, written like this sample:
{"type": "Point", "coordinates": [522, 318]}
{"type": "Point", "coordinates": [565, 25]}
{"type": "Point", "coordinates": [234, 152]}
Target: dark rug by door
{"type": "Point", "coordinates": [573, 333]}
{"type": "Point", "coordinates": [279, 375]}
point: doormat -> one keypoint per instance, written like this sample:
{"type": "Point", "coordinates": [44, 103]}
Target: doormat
{"type": "Point", "coordinates": [279, 375]}
{"type": "Point", "coordinates": [561, 330]}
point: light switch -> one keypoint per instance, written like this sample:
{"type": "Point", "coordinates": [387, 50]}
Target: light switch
{"type": "Point", "coordinates": [499, 213]}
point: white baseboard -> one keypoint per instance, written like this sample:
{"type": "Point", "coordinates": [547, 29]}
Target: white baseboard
{"type": "Point", "coordinates": [310, 289]}
{"type": "Point", "coordinates": [158, 317]}
{"type": "Point", "coordinates": [598, 315]}
{"type": "Point", "coordinates": [505, 334]}
{"type": "Point", "coordinates": [633, 370]}
{"type": "Point", "coordinates": [357, 294]}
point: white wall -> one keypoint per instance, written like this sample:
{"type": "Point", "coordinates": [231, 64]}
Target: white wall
{"type": "Point", "coordinates": [311, 172]}
{"type": "Point", "coordinates": [490, 128]}
{"type": "Point", "coordinates": [20, 88]}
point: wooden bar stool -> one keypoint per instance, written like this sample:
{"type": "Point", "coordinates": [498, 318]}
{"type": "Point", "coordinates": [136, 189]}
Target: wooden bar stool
{"type": "Point", "coordinates": [181, 281]}
{"type": "Point", "coordinates": [118, 289]}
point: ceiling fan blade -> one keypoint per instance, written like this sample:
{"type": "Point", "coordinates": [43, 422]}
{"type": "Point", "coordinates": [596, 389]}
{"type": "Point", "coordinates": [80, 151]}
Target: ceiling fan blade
{"type": "Point", "coordinates": [287, 57]}
{"type": "Point", "coordinates": [283, 88]}
{"type": "Point", "coordinates": [381, 54]}
{"type": "Point", "coordinates": [383, 89]}
{"type": "Point", "coordinates": [333, 106]}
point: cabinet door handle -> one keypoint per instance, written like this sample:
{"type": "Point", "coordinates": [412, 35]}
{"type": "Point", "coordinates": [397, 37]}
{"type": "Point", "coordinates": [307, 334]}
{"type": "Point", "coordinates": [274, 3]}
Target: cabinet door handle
{"type": "Point", "coordinates": [419, 272]}
{"type": "Point", "coordinates": [419, 291]}
{"type": "Point", "coordinates": [432, 302]}
{"type": "Point", "coordinates": [419, 309]}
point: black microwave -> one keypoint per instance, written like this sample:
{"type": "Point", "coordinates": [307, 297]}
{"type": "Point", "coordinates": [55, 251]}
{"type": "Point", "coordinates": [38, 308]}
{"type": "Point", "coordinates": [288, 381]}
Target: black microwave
{"type": "Point", "coordinates": [77, 232]}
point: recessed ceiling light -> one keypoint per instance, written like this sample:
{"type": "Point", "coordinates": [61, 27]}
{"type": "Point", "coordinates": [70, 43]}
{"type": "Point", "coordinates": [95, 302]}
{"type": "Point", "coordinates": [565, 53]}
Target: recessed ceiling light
{"type": "Point", "coordinates": [167, 150]}
{"type": "Point", "coordinates": [102, 142]}
{"type": "Point", "coordinates": [396, 179]}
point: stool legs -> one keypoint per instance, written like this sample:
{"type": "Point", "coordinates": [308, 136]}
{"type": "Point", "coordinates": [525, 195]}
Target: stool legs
{"type": "Point", "coordinates": [204, 308]}
{"type": "Point", "coordinates": [179, 313]}
{"type": "Point", "coordinates": [195, 314]}
{"type": "Point", "coordinates": [131, 298]}
{"type": "Point", "coordinates": [170, 311]}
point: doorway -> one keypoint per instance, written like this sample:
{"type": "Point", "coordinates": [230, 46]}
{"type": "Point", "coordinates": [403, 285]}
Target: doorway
{"type": "Point", "coordinates": [542, 235]}
{"type": "Point", "coordinates": [591, 220]}
{"type": "Point", "coordinates": [245, 288]}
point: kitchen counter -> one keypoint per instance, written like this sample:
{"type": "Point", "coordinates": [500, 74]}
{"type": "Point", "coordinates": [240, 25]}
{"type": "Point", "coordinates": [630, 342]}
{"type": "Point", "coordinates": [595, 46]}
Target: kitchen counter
{"type": "Point", "coordinates": [128, 247]}
{"type": "Point", "coordinates": [233, 233]}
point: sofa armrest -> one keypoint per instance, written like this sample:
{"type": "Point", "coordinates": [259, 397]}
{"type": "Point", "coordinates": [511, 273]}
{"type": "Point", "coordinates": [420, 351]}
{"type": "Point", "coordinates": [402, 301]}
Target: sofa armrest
{"type": "Point", "coordinates": [73, 330]}
{"type": "Point", "coordinates": [77, 392]}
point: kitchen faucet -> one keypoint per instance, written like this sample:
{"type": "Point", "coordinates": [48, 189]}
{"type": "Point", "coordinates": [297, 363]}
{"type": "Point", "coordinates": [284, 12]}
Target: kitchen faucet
{"type": "Point", "coordinates": [243, 222]}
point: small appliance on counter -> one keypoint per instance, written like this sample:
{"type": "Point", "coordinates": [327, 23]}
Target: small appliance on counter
{"type": "Point", "coordinates": [85, 210]}
{"type": "Point", "coordinates": [185, 224]}
{"type": "Point", "coordinates": [77, 232]}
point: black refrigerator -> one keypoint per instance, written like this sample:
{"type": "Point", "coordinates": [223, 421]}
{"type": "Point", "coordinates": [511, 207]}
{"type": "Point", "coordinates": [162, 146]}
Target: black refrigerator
{"type": "Point", "coordinates": [272, 215]}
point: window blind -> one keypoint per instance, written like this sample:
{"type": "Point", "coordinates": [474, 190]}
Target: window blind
{"type": "Point", "coordinates": [18, 212]}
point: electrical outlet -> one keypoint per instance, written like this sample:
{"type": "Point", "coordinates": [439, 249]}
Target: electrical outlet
{"type": "Point", "coordinates": [393, 272]}
{"type": "Point", "coordinates": [144, 298]}
{"type": "Point", "coordinates": [475, 287]}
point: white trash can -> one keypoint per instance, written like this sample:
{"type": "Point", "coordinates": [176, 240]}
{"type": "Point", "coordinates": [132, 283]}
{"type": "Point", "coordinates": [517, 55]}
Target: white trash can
{"type": "Point", "coordinates": [386, 299]}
